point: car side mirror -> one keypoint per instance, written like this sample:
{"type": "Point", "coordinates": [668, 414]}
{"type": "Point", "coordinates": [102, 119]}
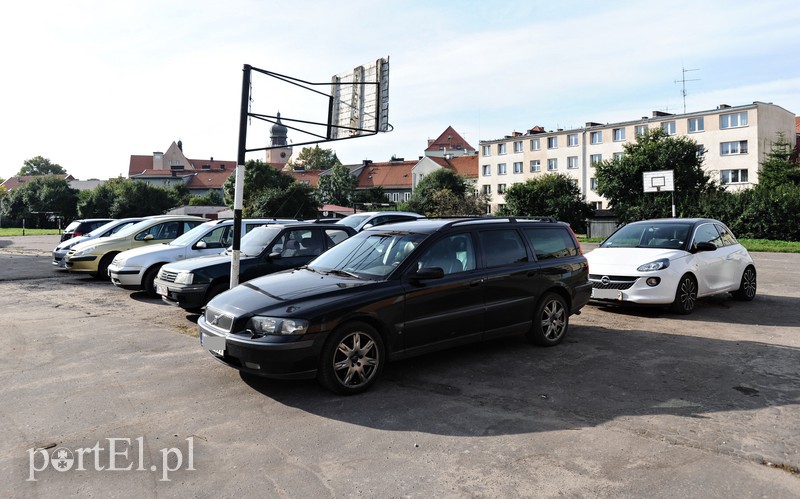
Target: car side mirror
{"type": "Point", "coordinates": [201, 245]}
{"type": "Point", "coordinates": [148, 237]}
{"type": "Point", "coordinates": [428, 273]}
{"type": "Point", "coordinates": [704, 246]}
{"type": "Point", "coordinates": [275, 255]}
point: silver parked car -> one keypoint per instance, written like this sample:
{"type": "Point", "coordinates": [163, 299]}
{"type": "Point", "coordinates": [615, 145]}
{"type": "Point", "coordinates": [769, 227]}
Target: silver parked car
{"type": "Point", "coordinates": [106, 230]}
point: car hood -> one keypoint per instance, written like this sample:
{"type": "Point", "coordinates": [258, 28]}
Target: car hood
{"type": "Point", "coordinates": [198, 262]}
{"type": "Point", "coordinates": [627, 258]}
{"type": "Point", "coordinates": [286, 292]}
{"type": "Point", "coordinates": [165, 249]}
{"type": "Point", "coordinates": [69, 243]}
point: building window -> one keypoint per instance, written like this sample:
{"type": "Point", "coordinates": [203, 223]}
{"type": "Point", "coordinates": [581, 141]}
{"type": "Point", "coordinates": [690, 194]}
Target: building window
{"type": "Point", "coordinates": [572, 162]}
{"type": "Point", "coordinates": [552, 164]}
{"type": "Point", "coordinates": [668, 127]}
{"type": "Point", "coordinates": [618, 156]}
{"type": "Point", "coordinates": [593, 184]}
{"type": "Point", "coordinates": [572, 140]}
{"type": "Point", "coordinates": [536, 165]}
{"type": "Point", "coordinates": [596, 138]}
{"type": "Point", "coordinates": [501, 149]}
{"type": "Point", "coordinates": [733, 176]}
{"type": "Point", "coordinates": [640, 130]}
{"type": "Point", "coordinates": [518, 146]}
{"type": "Point", "coordinates": [518, 167]}
{"type": "Point", "coordinates": [619, 135]}
{"type": "Point", "coordinates": [501, 169]}
{"type": "Point", "coordinates": [595, 158]}
{"type": "Point", "coordinates": [501, 188]}
{"type": "Point", "coordinates": [406, 196]}
{"type": "Point", "coordinates": [733, 120]}
{"type": "Point", "coordinates": [552, 142]}
{"type": "Point", "coordinates": [487, 150]}
{"type": "Point", "coordinates": [696, 125]}
{"type": "Point", "coordinates": [597, 205]}
{"type": "Point", "coordinates": [487, 171]}
{"type": "Point", "coordinates": [733, 148]}
{"type": "Point", "coordinates": [487, 189]}
{"type": "Point", "coordinates": [535, 144]}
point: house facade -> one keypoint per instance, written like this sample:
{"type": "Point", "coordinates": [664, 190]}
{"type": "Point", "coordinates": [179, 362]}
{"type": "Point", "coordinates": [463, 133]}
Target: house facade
{"type": "Point", "coordinates": [733, 141]}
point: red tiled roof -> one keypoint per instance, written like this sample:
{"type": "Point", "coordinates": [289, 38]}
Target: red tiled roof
{"type": "Point", "coordinates": [208, 179]}
{"type": "Point", "coordinates": [302, 176]}
{"type": "Point", "coordinates": [389, 175]}
{"type": "Point", "coordinates": [451, 141]}
{"type": "Point", "coordinates": [466, 166]}
{"type": "Point", "coordinates": [140, 163]}
{"type": "Point", "coordinates": [18, 180]}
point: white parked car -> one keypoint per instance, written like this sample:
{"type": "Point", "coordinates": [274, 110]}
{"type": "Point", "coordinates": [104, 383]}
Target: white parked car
{"type": "Point", "coordinates": [671, 261]}
{"type": "Point", "coordinates": [106, 230]}
{"type": "Point", "coordinates": [136, 268]}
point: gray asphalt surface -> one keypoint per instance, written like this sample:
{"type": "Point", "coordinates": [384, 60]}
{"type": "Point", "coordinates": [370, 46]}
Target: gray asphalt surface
{"type": "Point", "coordinates": [634, 403]}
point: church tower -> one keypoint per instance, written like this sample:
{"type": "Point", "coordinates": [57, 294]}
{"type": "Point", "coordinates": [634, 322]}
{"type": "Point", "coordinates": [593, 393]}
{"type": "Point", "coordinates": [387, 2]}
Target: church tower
{"type": "Point", "coordinates": [277, 138]}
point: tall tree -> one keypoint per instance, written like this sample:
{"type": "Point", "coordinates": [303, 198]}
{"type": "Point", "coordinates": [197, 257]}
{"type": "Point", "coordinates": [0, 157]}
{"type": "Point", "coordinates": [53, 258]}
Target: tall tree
{"type": "Point", "coordinates": [620, 180]}
{"type": "Point", "coordinates": [315, 158]}
{"type": "Point", "coordinates": [295, 201]}
{"type": "Point", "coordinates": [41, 166]}
{"type": "Point", "coordinates": [122, 197]}
{"type": "Point", "coordinates": [337, 186]}
{"type": "Point", "coordinates": [40, 201]}
{"type": "Point", "coordinates": [555, 195]}
{"type": "Point", "coordinates": [258, 176]}
{"type": "Point", "coordinates": [779, 168]}
{"type": "Point", "coordinates": [445, 193]}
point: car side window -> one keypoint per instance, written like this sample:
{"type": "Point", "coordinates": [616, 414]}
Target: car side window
{"type": "Point", "coordinates": [550, 243]}
{"type": "Point", "coordinates": [154, 230]}
{"type": "Point", "coordinates": [334, 236]}
{"type": "Point", "coordinates": [452, 254]}
{"type": "Point", "coordinates": [502, 247]}
{"type": "Point", "coordinates": [707, 233]}
{"type": "Point", "coordinates": [727, 236]}
{"type": "Point", "coordinates": [218, 237]}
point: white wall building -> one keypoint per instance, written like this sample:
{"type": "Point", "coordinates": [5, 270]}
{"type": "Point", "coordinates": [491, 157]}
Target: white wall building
{"type": "Point", "coordinates": [735, 140]}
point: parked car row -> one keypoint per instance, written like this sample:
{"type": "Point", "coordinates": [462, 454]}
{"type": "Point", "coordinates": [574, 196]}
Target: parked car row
{"type": "Point", "coordinates": [336, 301]}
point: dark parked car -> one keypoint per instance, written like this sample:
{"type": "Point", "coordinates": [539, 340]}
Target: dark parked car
{"type": "Point", "coordinates": [399, 290]}
{"type": "Point", "coordinates": [80, 227]}
{"type": "Point", "coordinates": [193, 282]}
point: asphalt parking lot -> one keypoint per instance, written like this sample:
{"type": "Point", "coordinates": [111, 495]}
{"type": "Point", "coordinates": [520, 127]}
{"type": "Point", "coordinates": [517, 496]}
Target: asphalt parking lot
{"type": "Point", "coordinates": [108, 393]}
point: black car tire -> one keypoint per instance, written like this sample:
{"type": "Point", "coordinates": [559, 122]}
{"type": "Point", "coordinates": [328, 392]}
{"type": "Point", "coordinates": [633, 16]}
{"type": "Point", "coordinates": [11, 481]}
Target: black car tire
{"type": "Point", "coordinates": [102, 267]}
{"type": "Point", "coordinates": [685, 296]}
{"type": "Point", "coordinates": [550, 321]}
{"type": "Point", "coordinates": [147, 280]}
{"type": "Point", "coordinates": [747, 286]}
{"type": "Point", "coordinates": [352, 359]}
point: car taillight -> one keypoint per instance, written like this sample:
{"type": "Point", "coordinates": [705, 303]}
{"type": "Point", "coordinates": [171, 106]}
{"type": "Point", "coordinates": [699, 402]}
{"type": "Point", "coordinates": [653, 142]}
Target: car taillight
{"type": "Point", "coordinates": [76, 234]}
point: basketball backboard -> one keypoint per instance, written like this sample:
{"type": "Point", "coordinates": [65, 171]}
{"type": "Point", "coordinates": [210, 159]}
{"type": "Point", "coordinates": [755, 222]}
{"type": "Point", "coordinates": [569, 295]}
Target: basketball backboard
{"type": "Point", "coordinates": [360, 101]}
{"type": "Point", "coordinates": [659, 181]}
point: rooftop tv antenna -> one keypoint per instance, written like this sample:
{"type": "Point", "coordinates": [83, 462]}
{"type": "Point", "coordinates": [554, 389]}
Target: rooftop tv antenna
{"type": "Point", "coordinates": [683, 81]}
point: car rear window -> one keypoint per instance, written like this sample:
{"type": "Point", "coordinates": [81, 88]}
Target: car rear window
{"type": "Point", "coordinates": [551, 242]}
{"type": "Point", "coordinates": [501, 247]}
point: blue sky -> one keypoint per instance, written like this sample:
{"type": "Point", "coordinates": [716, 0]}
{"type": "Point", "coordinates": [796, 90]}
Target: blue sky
{"type": "Point", "coordinates": [89, 83]}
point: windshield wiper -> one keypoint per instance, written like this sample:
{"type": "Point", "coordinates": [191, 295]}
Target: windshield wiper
{"type": "Point", "coordinates": [343, 272]}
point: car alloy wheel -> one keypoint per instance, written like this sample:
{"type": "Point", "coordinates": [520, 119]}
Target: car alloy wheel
{"type": "Point", "coordinates": [550, 322]}
{"type": "Point", "coordinates": [352, 359]}
{"type": "Point", "coordinates": [748, 285]}
{"type": "Point", "coordinates": [685, 296]}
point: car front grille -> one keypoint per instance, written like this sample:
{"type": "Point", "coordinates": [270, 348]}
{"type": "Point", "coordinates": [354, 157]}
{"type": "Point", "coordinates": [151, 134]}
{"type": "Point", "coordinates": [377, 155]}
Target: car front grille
{"type": "Point", "coordinates": [611, 281]}
{"type": "Point", "coordinates": [219, 320]}
{"type": "Point", "coordinates": [166, 275]}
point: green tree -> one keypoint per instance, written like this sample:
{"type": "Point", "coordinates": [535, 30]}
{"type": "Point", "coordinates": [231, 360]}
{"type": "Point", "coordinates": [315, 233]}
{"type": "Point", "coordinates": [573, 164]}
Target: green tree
{"type": "Point", "coordinates": [373, 195]}
{"type": "Point", "coordinates": [295, 201]}
{"type": "Point", "coordinates": [211, 198]}
{"type": "Point", "coordinates": [41, 166]}
{"type": "Point", "coordinates": [315, 158]}
{"type": "Point", "coordinates": [779, 168]}
{"type": "Point", "coordinates": [40, 200]}
{"type": "Point", "coordinates": [555, 195]}
{"type": "Point", "coordinates": [620, 180]}
{"type": "Point", "coordinates": [337, 186]}
{"type": "Point", "coordinates": [258, 176]}
{"type": "Point", "coordinates": [122, 197]}
{"type": "Point", "coordinates": [445, 193]}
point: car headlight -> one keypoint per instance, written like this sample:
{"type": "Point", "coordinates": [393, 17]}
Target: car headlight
{"type": "Point", "coordinates": [184, 278]}
{"type": "Point", "coordinates": [85, 251]}
{"type": "Point", "coordinates": [277, 326]}
{"type": "Point", "coordinates": [119, 262]}
{"type": "Point", "coordinates": [659, 264]}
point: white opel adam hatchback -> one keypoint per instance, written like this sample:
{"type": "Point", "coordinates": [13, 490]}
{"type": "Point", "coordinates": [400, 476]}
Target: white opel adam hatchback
{"type": "Point", "coordinates": [671, 261]}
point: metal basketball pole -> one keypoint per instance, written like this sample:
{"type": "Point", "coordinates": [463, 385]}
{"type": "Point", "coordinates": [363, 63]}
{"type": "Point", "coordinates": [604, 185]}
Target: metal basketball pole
{"type": "Point", "coordinates": [239, 184]}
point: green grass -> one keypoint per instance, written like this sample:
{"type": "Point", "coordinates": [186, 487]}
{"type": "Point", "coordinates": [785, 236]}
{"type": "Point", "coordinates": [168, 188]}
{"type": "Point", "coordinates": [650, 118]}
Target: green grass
{"type": "Point", "coordinates": [12, 232]}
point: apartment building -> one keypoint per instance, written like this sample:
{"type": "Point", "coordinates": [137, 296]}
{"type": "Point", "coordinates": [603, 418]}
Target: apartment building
{"type": "Point", "coordinates": [733, 141]}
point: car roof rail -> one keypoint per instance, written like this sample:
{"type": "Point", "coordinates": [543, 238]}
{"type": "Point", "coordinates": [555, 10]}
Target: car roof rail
{"type": "Point", "coordinates": [482, 219]}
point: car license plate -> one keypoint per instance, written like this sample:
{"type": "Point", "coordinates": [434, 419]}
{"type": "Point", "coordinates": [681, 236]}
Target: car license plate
{"type": "Point", "coordinates": [606, 294]}
{"type": "Point", "coordinates": [214, 344]}
{"type": "Point", "coordinates": [161, 290]}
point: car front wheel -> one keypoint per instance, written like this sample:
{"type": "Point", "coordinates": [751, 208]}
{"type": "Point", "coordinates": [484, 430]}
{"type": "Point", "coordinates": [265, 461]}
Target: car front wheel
{"type": "Point", "coordinates": [747, 287]}
{"type": "Point", "coordinates": [685, 296]}
{"type": "Point", "coordinates": [550, 321]}
{"type": "Point", "coordinates": [352, 359]}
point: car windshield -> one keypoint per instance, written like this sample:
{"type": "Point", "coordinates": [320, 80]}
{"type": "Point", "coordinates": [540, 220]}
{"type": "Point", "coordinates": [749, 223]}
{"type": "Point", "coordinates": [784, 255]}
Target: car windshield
{"type": "Point", "coordinates": [663, 235]}
{"type": "Point", "coordinates": [353, 220]}
{"type": "Point", "coordinates": [188, 237]}
{"type": "Point", "coordinates": [254, 242]}
{"type": "Point", "coordinates": [369, 255]}
{"type": "Point", "coordinates": [98, 231]}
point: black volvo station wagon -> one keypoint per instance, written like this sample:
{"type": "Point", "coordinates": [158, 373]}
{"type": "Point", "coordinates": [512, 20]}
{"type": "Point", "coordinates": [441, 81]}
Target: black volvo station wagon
{"type": "Point", "coordinates": [399, 290]}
